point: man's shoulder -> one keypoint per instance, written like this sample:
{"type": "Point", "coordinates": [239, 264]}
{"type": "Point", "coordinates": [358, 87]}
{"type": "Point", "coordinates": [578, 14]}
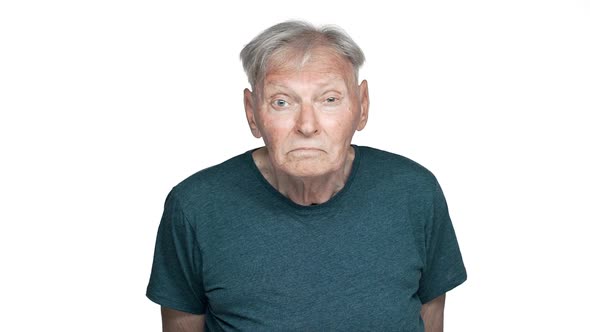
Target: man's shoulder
{"type": "Point", "coordinates": [385, 164]}
{"type": "Point", "coordinates": [216, 178]}
{"type": "Point", "coordinates": [381, 159]}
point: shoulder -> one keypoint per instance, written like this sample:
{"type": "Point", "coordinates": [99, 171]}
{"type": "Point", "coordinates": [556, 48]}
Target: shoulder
{"type": "Point", "coordinates": [208, 183]}
{"type": "Point", "coordinates": [385, 165]}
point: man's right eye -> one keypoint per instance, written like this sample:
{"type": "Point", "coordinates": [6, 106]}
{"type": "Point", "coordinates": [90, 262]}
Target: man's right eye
{"type": "Point", "coordinates": [280, 103]}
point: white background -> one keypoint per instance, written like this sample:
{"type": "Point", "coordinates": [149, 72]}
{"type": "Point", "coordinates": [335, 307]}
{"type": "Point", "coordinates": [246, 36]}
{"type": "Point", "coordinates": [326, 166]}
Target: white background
{"type": "Point", "coordinates": [105, 105]}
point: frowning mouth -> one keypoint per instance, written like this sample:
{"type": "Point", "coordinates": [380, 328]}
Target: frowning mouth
{"type": "Point", "coordinates": [306, 152]}
{"type": "Point", "coordinates": [306, 149]}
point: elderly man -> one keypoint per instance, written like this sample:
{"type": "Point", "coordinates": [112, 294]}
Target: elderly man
{"type": "Point", "coordinates": [309, 232]}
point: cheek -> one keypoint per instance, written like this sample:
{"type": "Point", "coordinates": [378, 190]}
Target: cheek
{"type": "Point", "coordinates": [275, 133]}
{"type": "Point", "coordinates": [352, 120]}
{"type": "Point", "coordinates": [277, 125]}
{"type": "Point", "coordinates": [341, 126]}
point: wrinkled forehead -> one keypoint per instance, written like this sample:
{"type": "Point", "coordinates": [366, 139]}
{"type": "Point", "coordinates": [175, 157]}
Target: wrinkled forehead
{"type": "Point", "coordinates": [322, 61]}
{"type": "Point", "coordinates": [298, 58]}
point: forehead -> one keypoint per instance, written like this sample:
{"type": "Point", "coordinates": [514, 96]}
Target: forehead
{"type": "Point", "coordinates": [320, 64]}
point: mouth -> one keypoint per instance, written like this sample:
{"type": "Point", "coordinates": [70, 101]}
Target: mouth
{"type": "Point", "coordinates": [306, 150]}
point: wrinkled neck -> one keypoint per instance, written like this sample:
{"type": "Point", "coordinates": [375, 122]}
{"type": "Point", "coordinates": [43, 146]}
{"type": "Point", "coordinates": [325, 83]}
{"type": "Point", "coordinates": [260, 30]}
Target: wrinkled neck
{"type": "Point", "coordinates": [305, 190]}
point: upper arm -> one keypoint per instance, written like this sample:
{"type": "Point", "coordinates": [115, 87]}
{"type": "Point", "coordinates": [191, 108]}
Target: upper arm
{"type": "Point", "coordinates": [443, 267]}
{"type": "Point", "coordinates": [433, 314]}
{"type": "Point", "coordinates": [179, 321]}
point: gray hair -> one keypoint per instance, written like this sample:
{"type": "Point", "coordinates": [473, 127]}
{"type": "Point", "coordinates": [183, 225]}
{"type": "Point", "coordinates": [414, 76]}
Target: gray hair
{"type": "Point", "coordinates": [301, 36]}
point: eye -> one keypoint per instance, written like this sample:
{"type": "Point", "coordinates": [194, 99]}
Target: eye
{"type": "Point", "coordinates": [280, 103]}
{"type": "Point", "coordinates": [331, 99]}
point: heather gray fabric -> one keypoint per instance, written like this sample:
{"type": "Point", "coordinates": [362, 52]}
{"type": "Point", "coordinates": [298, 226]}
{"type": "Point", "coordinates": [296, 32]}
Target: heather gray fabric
{"type": "Point", "coordinates": [231, 246]}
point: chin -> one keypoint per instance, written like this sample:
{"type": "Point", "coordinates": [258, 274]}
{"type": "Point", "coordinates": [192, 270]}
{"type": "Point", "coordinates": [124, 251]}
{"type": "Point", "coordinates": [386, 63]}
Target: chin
{"type": "Point", "coordinates": [307, 168]}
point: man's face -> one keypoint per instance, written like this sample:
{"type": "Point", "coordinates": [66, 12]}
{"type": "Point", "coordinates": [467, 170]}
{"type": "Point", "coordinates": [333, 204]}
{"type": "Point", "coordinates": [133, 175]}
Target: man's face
{"type": "Point", "coordinates": [307, 113]}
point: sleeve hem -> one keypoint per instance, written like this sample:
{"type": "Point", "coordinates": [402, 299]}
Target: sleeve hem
{"type": "Point", "coordinates": [425, 298]}
{"type": "Point", "coordinates": [176, 305]}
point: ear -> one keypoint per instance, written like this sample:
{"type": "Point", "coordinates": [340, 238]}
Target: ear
{"type": "Point", "coordinates": [249, 106]}
{"type": "Point", "coordinates": [364, 101]}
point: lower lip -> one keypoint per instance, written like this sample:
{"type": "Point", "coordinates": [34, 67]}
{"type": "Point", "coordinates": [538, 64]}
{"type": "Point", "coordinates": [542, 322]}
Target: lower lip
{"type": "Point", "coordinates": [306, 151]}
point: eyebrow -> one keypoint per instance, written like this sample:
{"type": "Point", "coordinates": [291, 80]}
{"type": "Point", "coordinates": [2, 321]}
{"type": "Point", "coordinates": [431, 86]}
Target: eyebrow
{"type": "Point", "coordinates": [279, 85]}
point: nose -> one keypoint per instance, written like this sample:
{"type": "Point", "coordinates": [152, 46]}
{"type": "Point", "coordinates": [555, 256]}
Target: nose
{"type": "Point", "coordinates": [307, 122]}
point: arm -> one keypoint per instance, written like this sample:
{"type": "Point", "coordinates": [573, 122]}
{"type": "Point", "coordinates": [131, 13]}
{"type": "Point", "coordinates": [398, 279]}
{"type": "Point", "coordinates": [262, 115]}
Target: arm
{"type": "Point", "coordinates": [433, 313]}
{"type": "Point", "coordinates": [179, 321]}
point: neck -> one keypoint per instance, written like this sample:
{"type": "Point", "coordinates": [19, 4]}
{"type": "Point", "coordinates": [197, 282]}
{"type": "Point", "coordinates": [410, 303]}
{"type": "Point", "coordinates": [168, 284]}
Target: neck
{"type": "Point", "coordinates": [305, 190]}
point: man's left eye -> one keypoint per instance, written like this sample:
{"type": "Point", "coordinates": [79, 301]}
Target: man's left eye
{"type": "Point", "coordinates": [331, 99]}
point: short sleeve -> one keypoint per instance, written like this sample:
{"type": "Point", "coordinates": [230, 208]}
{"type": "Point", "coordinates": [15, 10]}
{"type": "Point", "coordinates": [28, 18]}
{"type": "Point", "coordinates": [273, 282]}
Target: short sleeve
{"type": "Point", "coordinates": [175, 281]}
{"type": "Point", "coordinates": [443, 267]}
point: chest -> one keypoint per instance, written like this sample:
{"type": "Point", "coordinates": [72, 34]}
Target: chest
{"type": "Point", "coordinates": [279, 270]}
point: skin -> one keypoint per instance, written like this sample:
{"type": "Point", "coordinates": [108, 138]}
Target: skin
{"type": "Point", "coordinates": [307, 113]}
{"type": "Point", "coordinates": [433, 314]}
{"type": "Point", "coordinates": [306, 109]}
{"type": "Point", "coordinates": [179, 321]}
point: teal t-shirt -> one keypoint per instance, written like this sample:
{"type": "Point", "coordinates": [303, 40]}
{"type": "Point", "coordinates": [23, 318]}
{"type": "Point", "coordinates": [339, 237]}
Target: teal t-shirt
{"type": "Point", "coordinates": [232, 247]}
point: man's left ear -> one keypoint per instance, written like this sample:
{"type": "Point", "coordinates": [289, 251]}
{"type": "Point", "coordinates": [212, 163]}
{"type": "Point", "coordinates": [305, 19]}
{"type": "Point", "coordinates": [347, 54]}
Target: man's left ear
{"type": "Point", "coordinates": [364, 101]}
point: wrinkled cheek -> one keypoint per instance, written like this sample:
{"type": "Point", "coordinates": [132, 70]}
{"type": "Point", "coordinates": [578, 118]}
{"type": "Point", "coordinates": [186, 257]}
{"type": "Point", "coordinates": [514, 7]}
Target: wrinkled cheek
{"type": "Point", "coordinates": [276, 131]}
{"type": "Point", "coordinates": [273, 136]}
{"type": "Point", "coordinates": [273, 142]}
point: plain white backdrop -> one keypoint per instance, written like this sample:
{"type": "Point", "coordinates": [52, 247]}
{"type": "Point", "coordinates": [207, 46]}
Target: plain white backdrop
{"type": "Point", "coordinates": [105, 105]}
